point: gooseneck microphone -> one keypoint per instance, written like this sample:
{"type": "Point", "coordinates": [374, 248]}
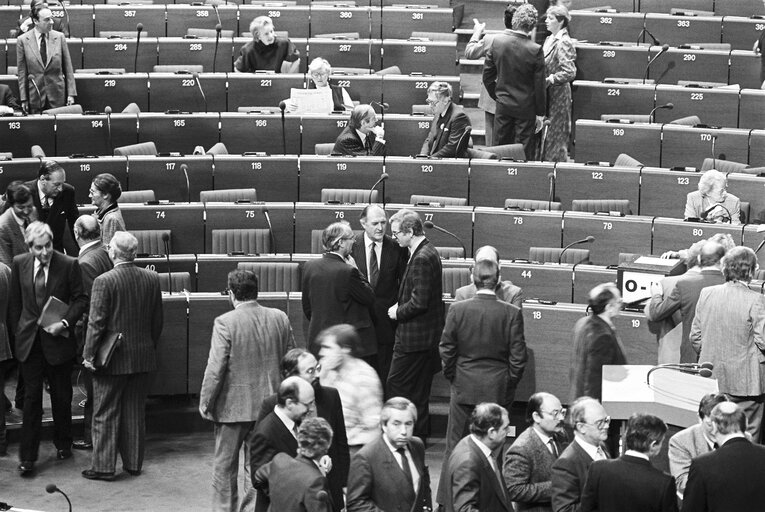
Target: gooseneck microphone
{"type": "Point", "coordinates": [666, 106]}
{"type": "Point", "coordinates": [645, 30]}
{"type": "Point", "coordinates": [166, 242]}
{"type": "Point", "coordinates": [185, 169]}
{"type": "Point", "coordinates": [218, 28]}
{"type": "Point", "coordinates": [664, 49]}
{"type": "Point", "coordinates": [714, 158]}
{"type": "Point", "coordinates": [138, 29]}
{"type": "Point", "coordinates": [587, 240]}
{"type": "Point", "coordinates": [270, 229]}
{"type": "Point", "coordinates": [551, 179]}
{"type": "Point", "coordinates": [195, 75]}
{"type": "Point", "coordinates": [282, 107]}
{"type": "Point", "coordinates": [108, 112]}
{"type": "Point", "coordinates": [706, 212]}
{"type": "Point", "coordinates": [383, 177]}
{"type": "Point", "coordinates": [429, 225]}
{"type": "Point", "coordinates": [760, 246]}
{"type": "Point", "coordinates": [68, 31]}
{"type": "Point", "coordinates": [39, 97]}
{"type": "Point", "coordinates": [51, 488]}
{"type": "Point", "coordinates": [700, 369]}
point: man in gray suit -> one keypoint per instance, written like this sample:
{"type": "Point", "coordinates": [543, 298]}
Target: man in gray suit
{"type": "Point", "coordinates": [528, 462]}
{"type": "Point", "coordinates": [19, 213]}
{"type": "Point", "coordinates": [246, 347]}
{"type": "Point", "coordinates": [125, 300]}
{"type": "Point", "coordinates": [727, 331]}
{"type": "Point", "coordinates": [505, 290]}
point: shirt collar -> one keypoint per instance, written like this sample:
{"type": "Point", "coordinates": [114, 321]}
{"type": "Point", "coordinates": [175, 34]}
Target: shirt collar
{"type": "Point", "coordinates": [637, 454]}
{"type": "Point", "coordinates": [591, 450]}
{"type": "Point", "coordinates": [19, 220]}
{"type": "Point", "coordinates": [414, 247]}
{"type": "Point", "coordinates": [279, 411]}
{"type": "Point", "coordinates": [368, 241]}
{"type": "Point", "coordinates": [484, 449]}
{"type": "Point", "coordinates": [544, 437]}
{"type": "Point", "coordinates": [42, 196]}
{"type": "Point", "coordinates": [390, 445]}
{"type": "Point", "coordinates": [484, 291]}
{"type": "Point", "coordinates": [89, 244]}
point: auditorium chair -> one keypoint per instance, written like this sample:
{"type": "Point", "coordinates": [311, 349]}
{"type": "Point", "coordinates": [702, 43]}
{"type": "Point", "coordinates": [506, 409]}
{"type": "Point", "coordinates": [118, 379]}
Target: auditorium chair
{"type": "Point", "coordinates": [347, 195]}
{"type": "Point", "coordinates": [724, 166]}
{"type": "Point", "coordinates": [230, 195]}
{"type": "Point", "coordinates": [37, 152]}
{"type": "Point", "coordinates": [441, 200]}
{"type": "Point", "coordinates": [687, 121]}
{"type": "Point", "coordinates": [181, 281]}
{"type": "Point", "coordinates": [338, 35]}
{"type": "Point", "coordinates": [131, 108]}
{"type": "Point", "coordinates": [209, 33]}
{"type": "Point", "coordinates": [390, 70]}
{"type": "Point", "coordinates": [142, 148]}
{"type": "Point", "coordinates": [435, 36]}
{"type": "Point", "coordinates": [275, 276]}
{"type": "Point", "coordinates": [531, 204]}
{"type": "Point", "coordinates": [217, 149]}
{"type": "Point", "coordinates": [245, 241]}
{"type": "Point", "coordinates": [602, 205]}
{"type": "Point", "coordinates": [178, 68]}
{"type": "Point", "coordinates": [150, 240]}
{"type": "Point", "coordinates": [67, 109]}
{"type": "Point", "coordinates": [448, 253]}
{"type": "Point", "coordinates": [454, 278]}
{"type": "Point", "coordinates": [425, 110]}
{"type": "Point", "coordinates": [551, 255]}
{"type": "Point", "coordinates": [624, 160]}
{"type": "Point", "coordinates": [745, 211]}
{"type": "Point", "coordinates": [137, 196]}
{"type": "Point", "coordinates": [121, 34]}
{"type": "Point", "coordinates": [324, 148]}
{"type": "Point", "coordinates": [504, 151]}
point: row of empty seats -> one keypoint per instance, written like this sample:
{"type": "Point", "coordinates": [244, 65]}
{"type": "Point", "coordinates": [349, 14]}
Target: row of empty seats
{"type": "Point", "coordinates": [713, 7]}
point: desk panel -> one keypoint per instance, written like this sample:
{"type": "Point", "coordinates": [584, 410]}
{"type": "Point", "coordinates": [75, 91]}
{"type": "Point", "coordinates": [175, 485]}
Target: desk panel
{"type": "Point", "coordinates": [181, 92]}
{"type": "Point", "coordinates": [587, 277]}
{"type": "Point", "coordinates": [457, 219]}
{"type": "Point", "coordinates": [751, 189]}
{"type": "Point", "coordinates": [399, 22]}
{"type": "Point", "coordinates": [164, 175]}
{"type": "Point", "coordinates": [682, 64]}
{"type": "Point", "coordinates": [738, 7]}
{"type": "Point", "coordinates": [757, 148]}
{"type": "Point", "coordinates": [427, 57]}
{"type": "Point", "coordinates": [200, 52]}
{"type": "Point", "coordinates": [576, 181]}
{"type": "Point", "coordinates": [676, 30]}
{"type": "Point", "coordinates": [179, 132]}
{"type": "Point", "coordinates": [593, 99]}
{"type": "Point", "coordinates": [715, 107]}
{"type": "Point", "coordinates": [89, 135]}
{"type": "Point", "coordinates": [613, 235]}
{"type": "Point", "coordinates": [81, 171]}
{"type": "Point", "coordinates": [185, 220]}
{"type": "Point", "coordinates": [751, 109]}
{"type": "Point", "coordinates": [361, 88]}
{"type": "Point", "coordinates": [3, 56]}
{"type": "Point", "coordinates": [543, 281]}
{"type": "Point", "coordinates": [675, 234]}
{"type": "Point", "coordinates": [261, 90]}
{"type": "Point", "coordinates": [323, 128]}
{"type": "Point", "coordinates": [330, 19]}
{"type": "Point", "coordinates": [76, 21]}
{"type": "Point", "coordinates": [317, 216]}
{"type": "Point", "coordinates": [751, 238]}
{"type": "Point", "coordinates": [171, 377]}
{"type": "Point", "coordinates": [405, 134]}
{"type": "Point", "coordinates": [95, 92]}
{"type": "Point", "coordinates": [11, 52]}
{"type": "Point", "coordinates": [249, 216]}
{"type": "Point", "coordinates": [611, 26]}
{"type": "Point", "coordinates": [213, 269]}
{"type": "Point", "coordinates": [347, 53]}
{"type": "Point", "coordinates": [126, 18]}
{"type": "Point", "coordinates": [598, 141]}
{"type": "Point", "coordinates": [293, 19]}
{"type": "Point", "coordinates": [178, 263]}
{"type": "Point", "coordinates": [513, 232]}
{"type": "Point", "coordinates": [101, 52]}
{"type": "Point", "coordinates": [420, 176]}
{"type": "Point", "coordinates": [663, 192]}
{"type": "Point", "coordinates": [9, 17]}
{"type": "Point", "coordinates": [298, 321]}
{"type": "Point", "coordinates": [274, 177]}
{"type": "Point", "coordinates": [685, 146]}
{"type": "Point", "coordinates": [19, 134]}
{"type": "Point", "coordinates": [259, 132]}
{"type": "Point", "coordinates": [640, 345]}
{"type": "Point", "coordinates": [182, 17]}
{"type": "Point", "coordinates": [24, 169]}
{"type": "Point", "coordinates": [318, 172]}
{"type": "Point", "coordinates": [745, 69]}
{"type": "Point", "coordinates": [597, 62]}
{"type": "Point", "coordinates": [741, 32]}
{"type": "Point", "coordinates": [403, 91]}
{"type": "Point", "coordinates": [492, 182]}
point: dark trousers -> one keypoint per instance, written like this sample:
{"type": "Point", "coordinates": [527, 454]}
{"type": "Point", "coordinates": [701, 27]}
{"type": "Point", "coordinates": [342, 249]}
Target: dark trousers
{"type": "Point", "coordinates": [411, 375]}
{"type": "Point", "coordinates": [86, 381]}
{"type": "Point", "coordinates": [512, 130]}
{"type": "Point", "coordinates": [458, 426]}
{"type": "Point", "coordinates": [384, 356]}
{"type": "Point", "coordinates": [35, 369]}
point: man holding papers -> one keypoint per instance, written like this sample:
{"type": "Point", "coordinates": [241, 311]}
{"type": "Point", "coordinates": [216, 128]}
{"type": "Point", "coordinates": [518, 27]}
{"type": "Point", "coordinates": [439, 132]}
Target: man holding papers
{"type": "Point", "coordinates": [46, 350]}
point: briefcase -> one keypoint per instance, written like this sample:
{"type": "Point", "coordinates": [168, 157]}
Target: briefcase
{"type": "Point", "coordinates": [112, 341]}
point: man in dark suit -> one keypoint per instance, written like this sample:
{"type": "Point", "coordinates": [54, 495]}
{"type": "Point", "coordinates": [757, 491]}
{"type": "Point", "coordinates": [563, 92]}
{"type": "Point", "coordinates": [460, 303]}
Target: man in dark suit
{"type": "Point", "coordinates": [94, 261]}
{"type": "Point", "coordinates": [514, 76]}
{"type": "Point", "coordinates": [242, 368]}
{"type": "Point", "coordinates": [420, 316]}
{"type": "Point", "coordinates": [730, 477]}
{"type": "Point", "coordinates": [448, 126]}
{"type": "Point", "coordinates": [474, 475]}
{"type": "Point", "coordinates": [7, 99]}
{"type": "Point", "coordinates": [44, 65]}
{"type": "Point", "coordinates": [630, 483]}
{"type": "Point", "coordinates": [335, 292]}
{"type": "Point", "coordinates": [382, 261]}
{"type": "Point", "coordinates": [505, 290]}
{"type": "Point", "coordinates": [389, 473]}
{"type": "Point", "coordinates": [590, 423]}
{"type": "Point", "coordinates": [277, 432]}
{"type": "Point", "coordinates": [299, 484]}
{"type": "Point", "coordinates": [361, 137]}
{"type": "Point", "coordinates": [125, 300]}
{"type": "Point", "coordinates": [686, 293]}
{"type": "Point", "coordinates": [527, 467]}
{"type": "Point", "coordinates": [299, 362]}
{"type": "Point", "coordinates": [54, 201]}
{"type": "Point", "coordinates": [6, 356]}
{"type": "Point", "coordinates": [20, 211]}
{"type": "Point", "coordinates": [48, 351]}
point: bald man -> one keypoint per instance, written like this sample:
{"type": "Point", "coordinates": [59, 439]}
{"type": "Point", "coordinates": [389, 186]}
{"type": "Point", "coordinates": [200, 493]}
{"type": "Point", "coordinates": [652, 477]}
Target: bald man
{"type": "Point", "coordinates": [505, 290]}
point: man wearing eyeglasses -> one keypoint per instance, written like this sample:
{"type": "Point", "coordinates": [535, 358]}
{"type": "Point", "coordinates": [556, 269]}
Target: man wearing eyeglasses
{"type": "Point", "coordinates": [588, 419]}
{"type": "Point", "coordinates": [528, 462]}
{"type": "Point", "coordinates": [448, 126]}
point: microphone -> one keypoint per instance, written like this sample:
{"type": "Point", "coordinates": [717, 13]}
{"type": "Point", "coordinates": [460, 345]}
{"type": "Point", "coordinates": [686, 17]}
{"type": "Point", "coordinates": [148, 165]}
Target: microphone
{"type": "Point", "coordinates": [645, 30]}
{"type": "Point", "coordinates": [587, 240]}
{"type": "Point", "coordinates": [666, 106]}
{"type": "Point", "coordinates": [185, 169]}
{"type": "Point", "coordinates": [195, 75]}
{"type": "Point", "coordinates": [166, 242]}
{"type": "Point", "coordinates": [760, 246]}
{"type": "Point", "coordinates": [664, 49]}
{"type": "Point", "coordinates": [108, 112]}
{"type": "Point", "coordinates": [551, 178]}
{"type": "Point", "coordinates": [706, 212]}
{"type": "Point", "coordinates": [383, 177]}
{"type": "Point", "coordinates": [39, 96]}
{"type": "Point", "coordinates": [700, 369]}
{"type": "Point", "coordinates": [68, 32]}
{"type": "Point", "coordinates": [218, 28]}
{"type": "Point", "coordinates": [217, 15]}
{"type": "Point", "coordinates": [51, 488]}
{"type": "Point", "coordinates": [138, 29]}
{"type": "Point", "coordinates": [429, 225]}
{"type": "Point", "coordinates": [282, 106]}
{"type": "Point", "coordinates": [714, 160]}
{"type": "Point", "coordinates": [270, 229]}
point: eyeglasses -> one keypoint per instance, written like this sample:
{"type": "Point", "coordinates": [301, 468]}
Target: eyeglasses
{"type": "Point", "coordinates": [396, 233]}
{"type": "Point", "coordinates": [555, 413]}
{"type": "Point", "coordinates": [601, 423]}
{"type": "Point", "coordinates": [314, 370]}
{"type": "Point", "coordinates": [432, 103]}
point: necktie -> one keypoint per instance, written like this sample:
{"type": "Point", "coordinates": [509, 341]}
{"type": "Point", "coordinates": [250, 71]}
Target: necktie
{"type": "Point", "coordinates": [26, 224]}
{"type": "Point", "coordinates": [374, 271]}
{"type": "Point", "coordinates": [368, 144]}
{"type": "Point", "coordinates": [601, 453]}
{"type": "Point", "coordinates": [405, 466]}
{"type": "Point", "coordinates": [295, 430]}
{"type": "Point", "coordinates": [46, 203]}
{"type": "Point", "coordinates": [40, 287]}
{"type": "Point", "coordinates": [553, 448]}
{"type": "Point", "coordinates": [44, 49]}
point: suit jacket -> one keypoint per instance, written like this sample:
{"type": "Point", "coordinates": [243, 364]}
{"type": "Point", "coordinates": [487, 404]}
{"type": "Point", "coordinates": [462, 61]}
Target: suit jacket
{"type": "Point", "coordinates": [329, 407]}
{"type": "Point", "coordinates": [246, 347]}
{"type": "Point", "coordinates": [685, 446]}
{"type": "Point", "coordinates": [696, 204]}
{"type": "Point", "coordinates": [445, 133]}
{"type": "Point", "coordinates": [377, 483]}
{"type": "Point", "coordinates": [505, 291]}
{"type": "Point", "coordinates": [477, 50]}
{"type": "Point", "coordinates": [64, 283]}
{"type": "Point", "coordinates": [663, 327]}
{"type": "Point", "coordinates": [54, 78]}
{"type": "Point", "coordinates": [349, 143]}
{"type": "Point", "coordinates": [569, 473]}
{"type": "Point", "coordinates": [728, 479]}
{"type": "Point", "coordinates": [336, 293]}
{"type": "Point", "coordinates": [391, 266]}
{"type": "Point", "coordinates": [483, 350]}
{"type": "Point", "coordinates": [63, 210]}
{"type": "Point", "coordinates": [126, 300]}
{"type": "Point", "coordinates": [684, 297]}
{"type": "Point", "coordinates": [294, 484]}
{"type": "Point", "coordinates": [595, 344]}
{"type": "Point", "coordinates": [472, 484]}
{"type": "Point", "coordinates": [7, 98]}
{"type": "Point", "coordinates": [5, 294]}
{"type": "Point", "coordinates": [528, 472]}
{"type": "Point", "coordinates": [420, 311]}
{"type": "Point", "coordinates": [514, 74]}
{"type": "Point", "coordinates": [11, 238]}
{"type": "Point", "coordinates": [94, 261]}
{"type": "Point", "coordinates": [271, 437]}
{"type": "Point", "coordinates": [628, 484]}
{"type": "Point", "coordinates": [727, 331]}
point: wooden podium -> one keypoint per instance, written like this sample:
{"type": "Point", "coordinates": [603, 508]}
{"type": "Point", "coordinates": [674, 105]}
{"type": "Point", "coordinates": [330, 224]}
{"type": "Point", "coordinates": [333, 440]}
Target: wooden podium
{"type": "Point", "coordinates": [672, 395]}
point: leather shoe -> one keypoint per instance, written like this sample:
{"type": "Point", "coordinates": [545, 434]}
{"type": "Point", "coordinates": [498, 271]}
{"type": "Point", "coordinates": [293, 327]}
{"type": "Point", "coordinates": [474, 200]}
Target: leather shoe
{"type": "Point", "coordinates": [81, 444]}
{"type": "Point", "coordinates": [134, 472]}
{"type": "Point", "coordinates": [64, 454]}
{"type": "Point", "coordinates": [26, 467]}
{"type": "Point", "coordinates": [96, 475]}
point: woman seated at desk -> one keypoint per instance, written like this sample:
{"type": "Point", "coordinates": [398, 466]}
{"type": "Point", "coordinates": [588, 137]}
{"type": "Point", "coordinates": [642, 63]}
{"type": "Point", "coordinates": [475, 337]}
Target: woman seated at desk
{"type": "Point", "coordinates": [319, 70]}
{"type": "Point", "coordinates": [266, 51]}
{"type": "Point", "coordinates": [711, 202]}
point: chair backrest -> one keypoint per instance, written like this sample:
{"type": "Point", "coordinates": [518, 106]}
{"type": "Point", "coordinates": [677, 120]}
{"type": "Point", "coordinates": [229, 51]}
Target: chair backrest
{"type": "Point", "coordinates": [624, 160]}
{"type": "Point", "coordinates": [324, 148]}
{"type": "Point", "coordinates": [511, 151]}
{"type": "Point", "coordinates": [275, 276]}
{"type": "Point", "coordinates": [339, 35]}
{"type": "Point", "coordinates": [744, 213]}
{"type": "Point", "coordinates": [131, 108]}
{"type": "Point", "coordinates": [179, 281]}
{"type": "Point", "coordinates": [229, 195]}
{"type": "Point", "coordinates": [103, 71]}
{"type": "Point", "coordinates": [551, 255]}
{"type": "Point", "coordinates": [479, 153]}
{"type": "Point", "coordinates": [247, 241]}
{"type": "Point", "coordinates": [37, 152]}
{"type": "Point", "coordinates": [724, 166]}
{"type": "Point", "coordinates": [531, 204]}
{"type": "Point", "coordinates": [137, 196]}
{"type": "Point", "coordinates": [217, 149]}
{"type": "Point", "coordinates": [142, 148]}
{"type": "Point", "coordinates": [67, 109]}
{"type": "Point", "coordinates": [175, 68]}
{"type": "Point", "coordinates": [635, 118]}
{"type": "Point", "coordinates": [442, 200]}
{"type": "Point", "coordinates": [687, 121]}
{"type": "Point", "coordinates": [454, 278]}
{"type": "Point", "coordinates": [119, 34]}
{"type": "Point", "coordinates": [209, 32]}
{"type": "Point", "coordinates": [602, 205]}
{"type": "Point", "coordinates": [422, 109]}
{"type": "Point", "coordinates": [447, 253]}
{"type": "Point", "coordinates": [347, 195]}
{"type": "Point", "coordinates": [462, 144]}
{"type": "Point", "coordinates": [150, 240]}
{"type": "Point", "coordinates": [390, 70]}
